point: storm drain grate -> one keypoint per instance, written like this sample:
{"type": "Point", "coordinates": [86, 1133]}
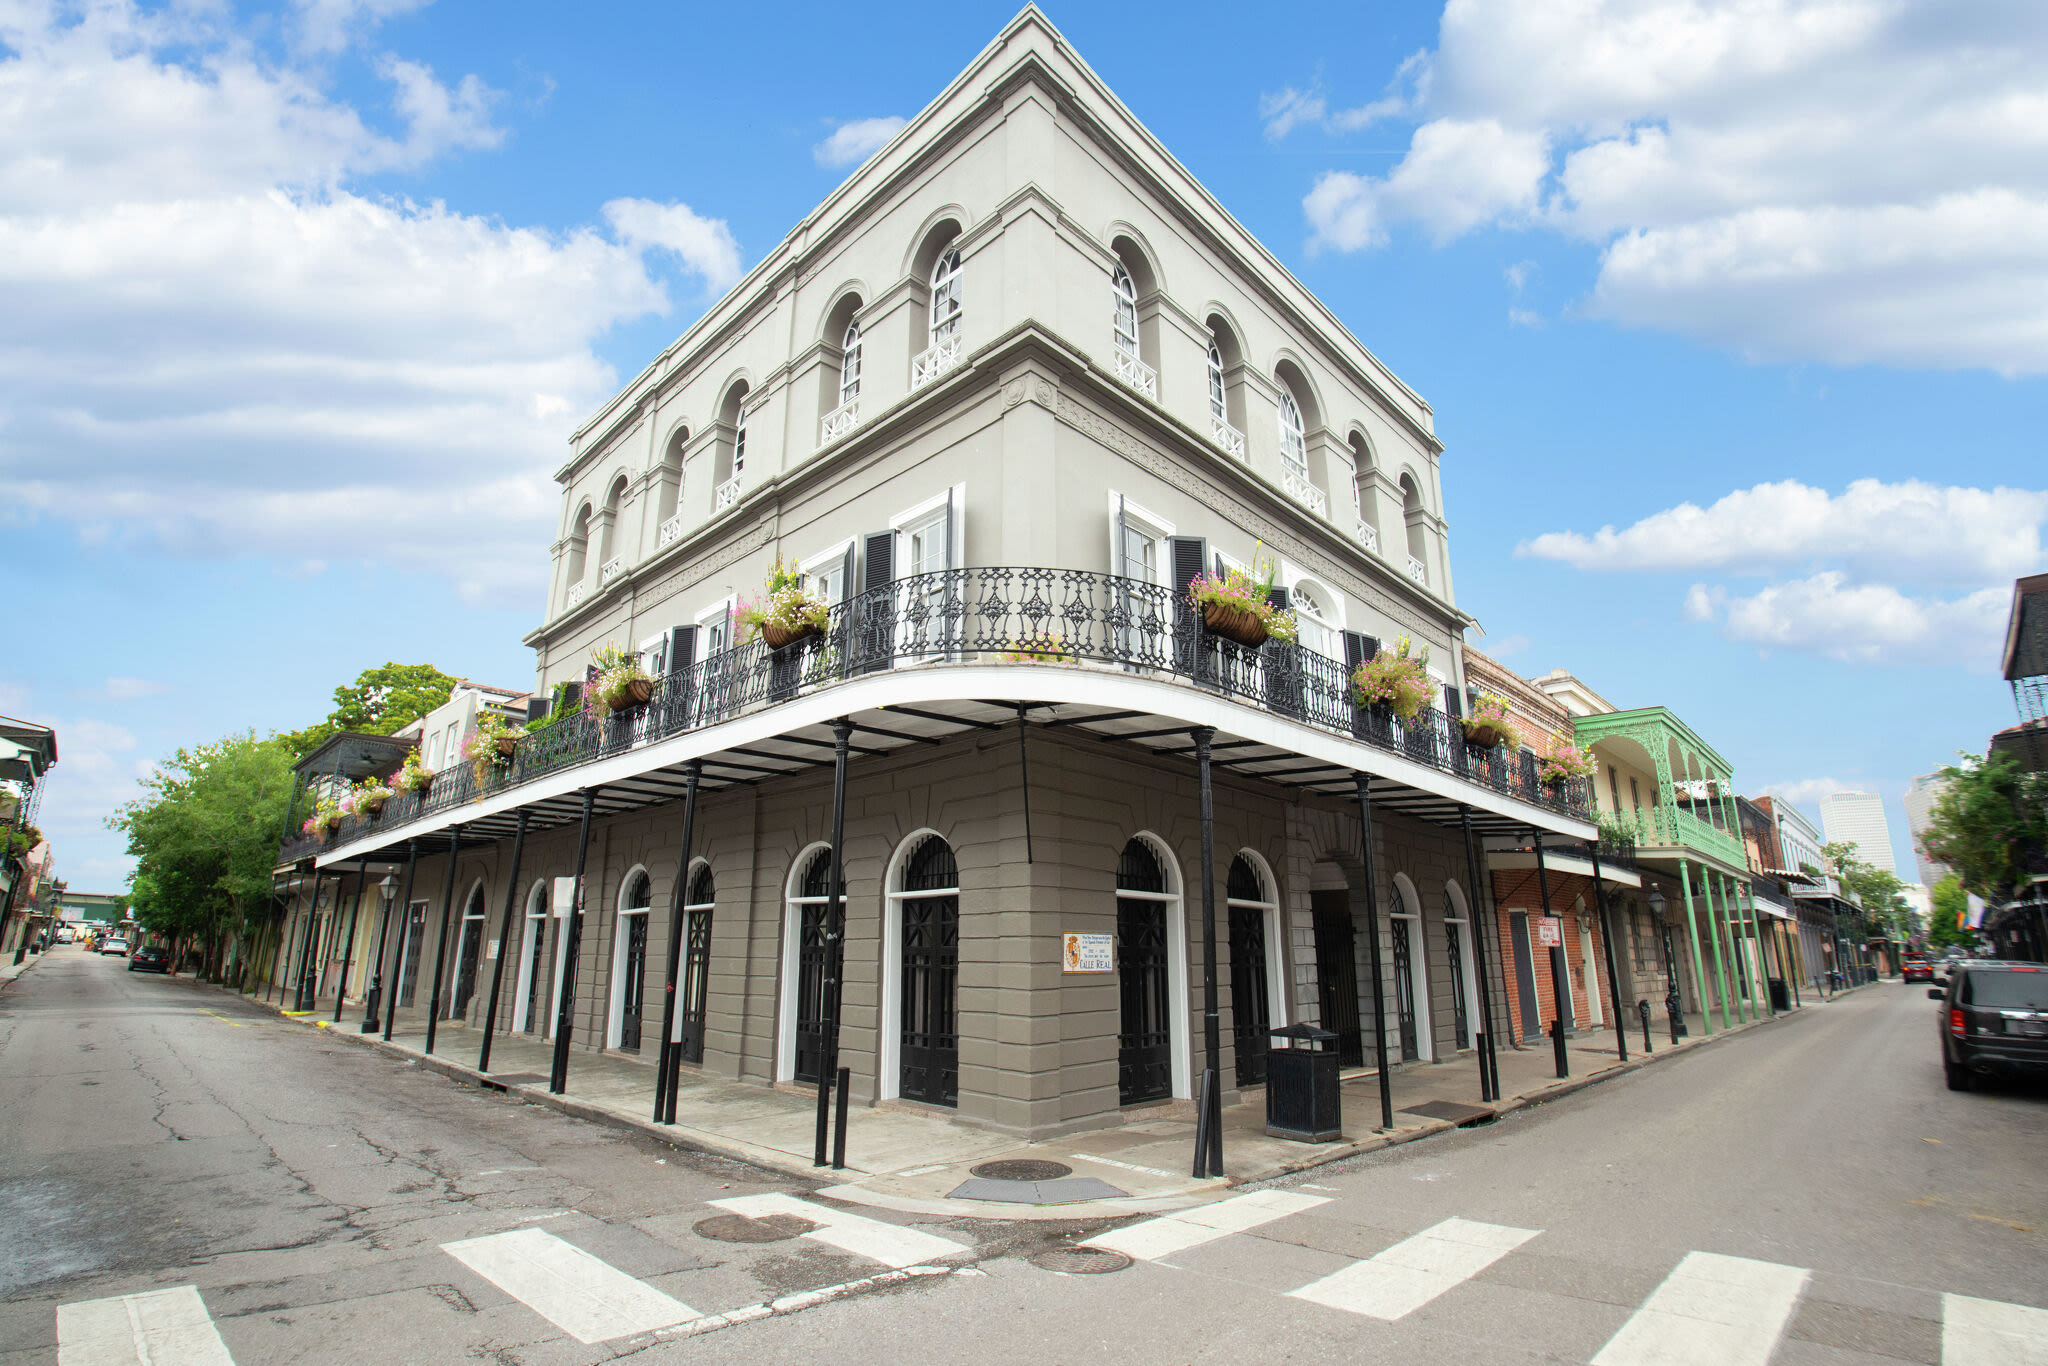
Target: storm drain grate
{"type": "Point", "coordinates": [1022, 1169]}
{"type": "Point", "coordinates": [1080, 1261]}
{"type": "Point", "coordinates": [738, 1228]}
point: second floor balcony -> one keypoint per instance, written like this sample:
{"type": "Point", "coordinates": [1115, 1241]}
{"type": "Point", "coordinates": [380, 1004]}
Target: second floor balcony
{"type": "Point", "coordinates": [1106, 637]}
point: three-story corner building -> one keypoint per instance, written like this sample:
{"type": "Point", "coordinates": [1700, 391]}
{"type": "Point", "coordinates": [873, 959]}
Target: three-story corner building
{"type": "Point", "coordinates": [999, 397]}
{"type": "Point", "coordinates": [1674, 793]}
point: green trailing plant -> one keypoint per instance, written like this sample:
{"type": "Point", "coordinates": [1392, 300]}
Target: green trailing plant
{"type": "Point", "coordinates": [484, 748]}
{"type": "Point", "coordinates": [412, 775]}
{"type": "Point", "coordinates": [1397, 679]}
{"type": "Point", "coordinates": [557, 709]}
{"type": "Point", "coordinates": [367, 798]}
{"type": "Point", "coordinates": [786, 606]}
{"type": "Point", "coordinates": [617, 674]}
{"type": "Point", "coordinates": [1616, 828]}
{"type": "Point", "coordinates": [1247, 591]}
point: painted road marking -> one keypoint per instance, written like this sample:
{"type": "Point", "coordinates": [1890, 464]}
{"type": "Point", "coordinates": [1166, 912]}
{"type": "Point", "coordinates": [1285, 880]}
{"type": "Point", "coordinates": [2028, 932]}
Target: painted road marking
{"type": "Point", "coordinates": [1177, 1232]}
{"type": "Point", "coordinates": [589, 1299]}
{"type": "Point", "coordinates": [1414, 1271]}
{"type": "Point", "coordinates": [1988, 1333]}
{"type": "Point", "coordinates": [1710, 1311]}
{"type": "Point", "coordinates": [160, 1327]}
{"type": "Point", "coordinates": [890, 1244]}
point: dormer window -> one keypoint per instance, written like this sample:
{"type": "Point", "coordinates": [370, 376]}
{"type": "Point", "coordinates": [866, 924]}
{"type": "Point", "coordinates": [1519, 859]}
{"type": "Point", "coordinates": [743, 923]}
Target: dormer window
{"type": "Point", "coordinates": [945, 318]}
{"type": "Point", "coordinates": [849, 365]}
{"type": "Point", "coordinates": [1125, 291]}
{"type": "Point", "coordinates": [1217, 406]}
{"type": "Point", "coordinates": [1293, 437]}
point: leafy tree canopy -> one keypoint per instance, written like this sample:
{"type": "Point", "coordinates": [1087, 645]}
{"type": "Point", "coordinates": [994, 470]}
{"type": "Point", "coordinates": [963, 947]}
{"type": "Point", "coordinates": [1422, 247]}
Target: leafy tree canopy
{"type": "Point", "coordinates": [1946, 929]}
{"type": "Point", "coordinates": [1989, 816]}
{"type": "Point", "coordinates": [379, 702]}
{"type": "Point", "coordinates": [204, 836]}
{"type": "Point", "coordinates": [1879, 890]}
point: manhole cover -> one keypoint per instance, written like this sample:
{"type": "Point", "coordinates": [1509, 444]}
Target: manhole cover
{"type": "Point", "coordinates": [1080, 1261]}
{"type": "Point", "coordinates": [1022, 1169]}
{"type": "Point", "coordinates": [738, 1228]}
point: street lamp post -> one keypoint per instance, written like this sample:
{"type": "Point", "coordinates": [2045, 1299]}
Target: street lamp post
{"type": "Point", "coordinates": [1673, 1005]}
{"type": "Point", "coordinates": [386, 889]}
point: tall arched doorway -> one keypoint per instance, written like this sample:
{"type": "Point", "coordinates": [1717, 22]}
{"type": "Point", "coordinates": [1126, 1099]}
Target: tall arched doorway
{"type": "Point", "coordinates": [923, 935]}
{"type": "Point", "coordinates": [1411, 973]}
{"type": "Point", "coordinates": [1255, 998]}
{"type": "Point", "coordinates": [695, 986]}
{"type": "Point", "coordinates": [629, 962]}
{"type": "Point", "coordinates": [805, 957]}
{"type": "Point", "coordinates": [469, 949]}
{"type": "Point", "coordinates": [528, 1005]}
{"type": "Point", "coordinates": [1147, 917]}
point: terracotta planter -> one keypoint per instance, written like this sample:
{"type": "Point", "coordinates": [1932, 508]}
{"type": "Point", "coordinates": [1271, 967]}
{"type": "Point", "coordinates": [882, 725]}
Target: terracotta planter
{"type": "Point", "coordinates": [780, 637]}
{"type": "Point", "coordinates": [375, 806]}
{"type": "Point", "coordinates": [506, 742]}
{"type": "Point", "coordinates": [1234, 623]}
{"type": "Point", "coordinates": [631, 694]}
{"type": "Point", "coordinates": [1486, 737]}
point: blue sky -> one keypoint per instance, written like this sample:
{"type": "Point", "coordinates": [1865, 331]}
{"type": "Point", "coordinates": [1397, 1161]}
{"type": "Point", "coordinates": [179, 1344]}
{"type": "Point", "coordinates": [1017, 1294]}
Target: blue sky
{"type": "Point", "coordinates": [298, 304]}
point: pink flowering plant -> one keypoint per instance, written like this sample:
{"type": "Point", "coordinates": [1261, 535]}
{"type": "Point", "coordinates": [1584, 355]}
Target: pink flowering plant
{"type": "Point", "coordinates": [1396, 679]}
{"type": "Point", "coordinates": [1489, 724]}
{"type": "Point", "coordinates": [412, 775]}
{"type": "Point", "coordinates": [480, 748]}
{"type": "Point", "coordinates": [1564, 760]}
{"type": "Point", "coordinates": [786, 604]}
{"type": "Point", "coordinates": [367, 797]}
{"type": "Point", "coordinates": [617, 670]}
{"type": "Point", "coordinates": [1249, 591]}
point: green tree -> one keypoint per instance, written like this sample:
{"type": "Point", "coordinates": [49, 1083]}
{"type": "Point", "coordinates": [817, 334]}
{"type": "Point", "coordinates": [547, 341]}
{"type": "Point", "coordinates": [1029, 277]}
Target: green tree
{"type": "Point", "coordinates": [1989, 816]}
{"type": "Point", "coordinates": [379, 702]}
{"type": "Point", "coordinates": [1946, 929]}
{"type": "Point", "coordinates": [204, 836]}
{"type": "Point", "coordinates": [1879, 890]}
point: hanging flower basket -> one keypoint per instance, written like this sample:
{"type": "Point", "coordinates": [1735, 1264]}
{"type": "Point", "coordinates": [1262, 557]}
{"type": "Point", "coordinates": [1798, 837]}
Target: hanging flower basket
{"type": "Point", "coordinates": [1234, 623]}
{"type": "Point", "coordinates": [633, 692]}
{"type": "Point", "coordinates": [374, 806]}
{"type": "Point", "coordinates": [506, 744]}
{"type": "Point", "coordinates": [1484, 735]}
{"type": "Point", "coordinates": [780, 635]}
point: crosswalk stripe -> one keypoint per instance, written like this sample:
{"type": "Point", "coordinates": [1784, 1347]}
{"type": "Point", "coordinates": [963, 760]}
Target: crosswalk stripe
{"type": "Point", "coordinates": [1710, 1311]}
{"type": "Point", "coordinates": [1414, 1271]}
{"type": "Point", "coordinates": [1990, 1333]}
{"type": "Point", "coordinates": [585, 1297]}
{"type": "Point", "coordinates": [890, 1244]}
{"type": "Point", "coordinates": [1183, 1229]}
{"type": "Point", "coordinates": [161, 1326]}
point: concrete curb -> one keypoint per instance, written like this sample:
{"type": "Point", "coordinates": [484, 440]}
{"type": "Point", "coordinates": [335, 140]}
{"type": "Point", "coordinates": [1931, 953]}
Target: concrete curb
{"type": "Point", "coordinates": [695, 1141]}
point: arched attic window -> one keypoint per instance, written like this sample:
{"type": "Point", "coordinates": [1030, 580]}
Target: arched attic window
{"type": "Point", "coordinates": [670, 495]}
{"type": "Point", "coordinates": [1226, 394]}
{"type": "Point", "coordinates": [1315, 618]}
{"type": "Point", "coordinates": [1293, 437]}
{"type": "Point", "coordinates": [1365, 493]}
{"type": "Point", "coordinates": [946, 312]}
{"type": "Point", "coordinates": [849, 365]}
{"type": "Point", "coordinates": [1124, 302]}
{"type": "Point", "coordinates": [731, 464]}
{"type": "Point", "coordinates": [840, 382]}
{"type": "Point", "coordinates": [614, 499]}
{"type": "Point", "coordinates": [579, 544]}
{"type": "Point", "coordinates": [1413, 515]}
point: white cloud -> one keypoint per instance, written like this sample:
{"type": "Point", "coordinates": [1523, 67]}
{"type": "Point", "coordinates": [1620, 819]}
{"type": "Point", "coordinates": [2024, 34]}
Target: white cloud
{"type": "Point", "coordinates": [331, 25]}
{"type": "Point", "coordinates": [1909, 530]}
{"type": "Point", "coordinates": [1806, 791]}
{"type": "Point", "coordinates": [856, 140]}
{"type": "Point", "coordinates": [705, 245]}
{"type": "Point", "coordinates": [1861, 623]}
{"type": "Point", "coordinates": [96, 773]}
{"type": "Point", "coordinates": [127, 689]}
{"type": "Point", "coordinates": [1848, 180]}
{"type": "Point", "coordinates": [213, 341]}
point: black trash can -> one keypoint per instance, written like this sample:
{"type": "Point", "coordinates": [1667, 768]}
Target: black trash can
{"type": "Point", "coordinates": [1781, 995]}
{"type": "Point", "coordinates": [1302, 1100]}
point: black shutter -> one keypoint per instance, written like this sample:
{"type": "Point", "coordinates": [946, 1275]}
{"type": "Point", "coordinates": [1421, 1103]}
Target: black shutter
{"type": "Point", "coordinates": [572, 695]}
{"type": "Point", "coordinates": [1530, 786]}
{"type": "Point", "coordinates": [682, 648]}
{"type": "Point", "coordinates": [874, 634]}
{"type": "Point", "coordinates": [1454, 733]}
{"type": "Point", "coordinates": [536, 708]}
{"type": "Point", "coordinates": [1452, 704]}
{"type": "Point", "coordinates": [1186, 558]}
{"type": "Point", "coordinates": [1358, 647]}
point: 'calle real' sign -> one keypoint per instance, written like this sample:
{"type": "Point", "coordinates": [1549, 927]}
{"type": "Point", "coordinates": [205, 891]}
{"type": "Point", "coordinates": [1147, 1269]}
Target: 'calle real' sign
{"type": "Point", "coordinates": [1088, 953]}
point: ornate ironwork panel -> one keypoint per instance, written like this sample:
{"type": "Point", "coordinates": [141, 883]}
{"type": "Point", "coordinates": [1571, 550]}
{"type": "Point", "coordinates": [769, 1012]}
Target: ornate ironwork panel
{"type": "Point", "coordinates": [1337, 974]}
{"type": "Point", "coordinates": [696, 984]}
{"type": "Point", "coordinates": [931, 969]}
{"type": "Point", "coordinates": [1251, 1010]}
{"type": "Point", "coordinates": [1454, 958]}
{"type": "Point", "coordinates": [813, 960]}
{"type": "Point", "coordinates": [632, 981]}
{"type": "Point", "coordinates": [1404, 988]}
{"type": "Point", "coordinates": [1145, 1037]}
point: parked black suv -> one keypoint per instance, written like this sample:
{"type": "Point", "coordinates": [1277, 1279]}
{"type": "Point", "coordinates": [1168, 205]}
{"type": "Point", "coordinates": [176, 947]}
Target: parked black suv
{"type": "Point", "coordinates": [1994, 1021]}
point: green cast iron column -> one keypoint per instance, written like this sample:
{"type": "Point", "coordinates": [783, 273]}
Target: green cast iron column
{"type": "Point", "coordinates": [1714, 934]}
{"type": "Point", "coordinates": [1692, 927]}
{"type": "Point", "coordinates": [1738, 966]}
{"type": "Point", "coordinates": [1765, 1009]}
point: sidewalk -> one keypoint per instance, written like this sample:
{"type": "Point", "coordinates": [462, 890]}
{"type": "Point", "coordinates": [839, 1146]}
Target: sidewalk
{"type": "Point", "coordinates": [910, 1158]}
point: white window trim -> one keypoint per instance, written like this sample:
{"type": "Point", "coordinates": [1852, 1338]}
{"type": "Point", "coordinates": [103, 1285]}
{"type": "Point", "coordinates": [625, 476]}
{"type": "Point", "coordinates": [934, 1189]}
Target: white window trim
{"type": "Point", "coordinates": [910, 518]}
{"type": "Point", "coordinates": [1151, 523]}
{"type": "Point", "coordinates": [1277, 1013]}
{"type": "Point", "coordinates": [1418, 968]}
{"type": "Point", "coordinates": [792, 937]}
{"type": "Point", "coordinates": [615, 1020]}
{"type": "Point", "coordinates": [889, 1076]}
{"type": "Point", "coordinates": [522, 997]}
{"type": "Point", "coordinates": [651, 647]}
{"type": "Point", "coordinates": [833, 557]}
{"type": "Point", "coordinates": [690, 908]}
{"type": "Point", "coordinates": [1179, 1045]}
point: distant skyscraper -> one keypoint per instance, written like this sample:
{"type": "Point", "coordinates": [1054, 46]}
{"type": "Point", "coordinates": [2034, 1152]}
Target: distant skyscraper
{"type": "Point", "coordinates": [1919, 808]}
{"type": "Point", "coordinates": [1858, 818]}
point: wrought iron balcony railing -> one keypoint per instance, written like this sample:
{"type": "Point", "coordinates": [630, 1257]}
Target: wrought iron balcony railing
{"type": "Point", "coordinates": [1046, 618]}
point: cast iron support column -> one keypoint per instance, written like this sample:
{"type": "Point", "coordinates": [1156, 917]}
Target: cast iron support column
{"type": "Point", "coordinates": [412, 854]}
{"type": "Point", "coordinates": [1557, 968]}
{"type": "Point", "coordinates": [287, 945]}
{"type": "Point", "coordinates": [441, 941]}
{"type": "Point", "coordinates": [1372, 942]}
{"type": "Point", "coordinates": [667, 1069]}
{"type": "Point", "coordinates": [1763, 948]}
{"type": "Point", "coordinates": [570, 944]}
{"type": "Point", "coordinates": [1731, 914]}
{"type": "Point", "coordinates": [348, 945]}
{"type": "Point", "coordinates": [483, 1057]}
{"type": "Point", "coordinates": [1209, 1133]}
{"type": "Point", "coordinates": [1699, 967]}
{"type": "Point", "coordinates": [1489, 1078]}
{"type": "Point", "coordinates": [1607, 941]}
{"type": "Point", "coordinates": [302, 1000]}
{"type": "Point", "coordinates": [1714, 934]}
{"type": "Point", "coordinates": [835, 941]}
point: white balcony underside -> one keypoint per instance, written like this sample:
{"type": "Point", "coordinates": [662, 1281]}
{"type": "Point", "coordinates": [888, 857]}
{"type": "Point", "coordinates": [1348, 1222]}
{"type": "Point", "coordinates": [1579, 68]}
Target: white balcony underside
{"type": "Point", "coordinates": [935, 687]}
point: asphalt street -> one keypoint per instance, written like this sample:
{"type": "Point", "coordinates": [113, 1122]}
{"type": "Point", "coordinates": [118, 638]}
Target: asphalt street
{"type": "Point", "coordinates": [1807, 1192]}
